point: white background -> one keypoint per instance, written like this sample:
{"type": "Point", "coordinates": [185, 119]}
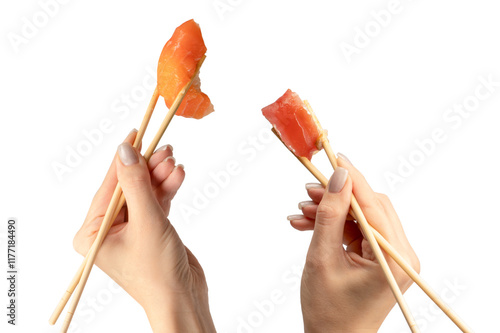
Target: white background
{"type": "Point", "coordinates": [75, 70]}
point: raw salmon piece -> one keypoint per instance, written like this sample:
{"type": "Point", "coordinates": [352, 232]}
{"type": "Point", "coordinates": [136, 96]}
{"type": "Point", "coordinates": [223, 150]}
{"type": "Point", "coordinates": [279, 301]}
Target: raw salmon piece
{"type": "Point", "coordinates": [178, 61]}
{"type": "Point", "coordinates": [296, 126]}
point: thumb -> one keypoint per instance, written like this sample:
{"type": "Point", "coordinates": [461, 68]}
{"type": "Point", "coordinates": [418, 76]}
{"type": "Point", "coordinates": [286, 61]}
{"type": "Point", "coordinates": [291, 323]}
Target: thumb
{"type": "Point", "coordinates": [134, 178]}
{"type": "Point", "coordinates": [332, 212]}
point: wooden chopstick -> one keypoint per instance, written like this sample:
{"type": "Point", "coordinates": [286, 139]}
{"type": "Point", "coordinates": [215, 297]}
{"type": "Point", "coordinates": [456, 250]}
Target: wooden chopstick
{"type": "Point", "coordinates": [118, 200]}
{"type": "Point", "coordinates": [74, 282]}
{"type": "Point", "coordinates": [390, 250]}
{"type": "Point", "coordinates": [367, 232]}
{"type": "Point", "coordinates": [370, 237]}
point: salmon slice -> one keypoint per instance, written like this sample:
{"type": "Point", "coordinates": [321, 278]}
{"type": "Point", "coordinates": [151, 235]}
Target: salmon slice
{"type": "Point", "coordinates": [177, 64]}
{"type": "Point", "coordinates": [296, 126]}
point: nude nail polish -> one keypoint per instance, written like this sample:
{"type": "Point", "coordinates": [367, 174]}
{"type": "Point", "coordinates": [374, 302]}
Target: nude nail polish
{"type": "Point", "coordinates": [337, 181]}
{"type": "Point", "coordinates": [162, 148]}
{"type": "Point", "coordinates": [165, 147]}
{"type": "Point", "coordinates": [127, 154]}
{"type": "Point", "coordinates": [305, 203]}
{"type": "Point", "coordinates": [169, 158]}
{"type": "Point", "coordinates": [342, 156]}
{"type": "Point", "coordinates": [294, 217]}
{"type": "Point", "coordinates": [313, 185]}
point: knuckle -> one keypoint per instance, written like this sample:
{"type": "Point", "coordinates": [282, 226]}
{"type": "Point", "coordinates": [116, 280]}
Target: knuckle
{"type": "Point", "coordinates": [384, 200]}
{"type": "Point", "coordinates": [372, 206]}
{"type": "Point", "coordinates": [317, 265]}
{"type": "Point", "coordinates": [327, 212]}
{"type": "Point", "coordinates": [383, 197]}
{"type": "Point", "coordinates": [136, 182]}
{"type": "Point", "coordinates": [357, 176]}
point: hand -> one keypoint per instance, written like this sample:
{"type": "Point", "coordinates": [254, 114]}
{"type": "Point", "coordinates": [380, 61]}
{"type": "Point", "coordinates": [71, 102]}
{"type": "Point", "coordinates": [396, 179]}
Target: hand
{"type": "Point", "coordinates": [142, 251]}
{"type": "Point", "coordinates": [345, 290]}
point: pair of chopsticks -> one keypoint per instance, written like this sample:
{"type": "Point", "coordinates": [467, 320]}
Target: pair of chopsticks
{"type": "Point", "coordinates": [377, 241]}
{"type": "Point", "coordinates": [117, 201]}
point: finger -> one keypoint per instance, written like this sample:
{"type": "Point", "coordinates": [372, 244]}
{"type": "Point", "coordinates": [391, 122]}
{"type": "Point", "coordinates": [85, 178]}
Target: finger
{"type": "Point", "coordinates": [170, 186]}
{"type": "Point", "coordinates": [315, 192]}
{"type": "Point", "coordinates": [368, 200]}
{"type": "Point", "coordinates": [159, 155]}
{"type": "Point", "coordinates": [388, 208]}
{"type": "Point", "coordinates": [134, 178]}
{"type": "Point", "coordinates": [309, 209]}
{"type": "Point", "coordinates": [302, 224]}
{"type": "Point", "coordinates": [398, 238]}
{"type": "Point", "coordinates": [162, 171]}
{"type": "Point", "coordinates": [353, 237]}
{"type": "Point", "coordinates": [360, 187]}
{"type": "Point", "coordinates": [332, 212]}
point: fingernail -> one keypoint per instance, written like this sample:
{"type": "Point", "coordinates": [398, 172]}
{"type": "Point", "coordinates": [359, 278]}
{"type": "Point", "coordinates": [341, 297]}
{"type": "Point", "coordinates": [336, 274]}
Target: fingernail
{"type": "Point", "coordinates": [162, 148]}
{"type": "Point", "coordinates": [337, 181]}
{"type": "Point", "coordinates": [171, 148]}
{"type": "Point", "coordinates": [313, 185]}
{"type": "Point", "coordinates": [180, 166]}
{"type": "Point", "coordinates": [305, 203]}
{"type": "Point", "coordinates": [127, 154]}
{"type": "Point", "coordinates": [133, 131]}
{"type": "Point", "coordinates": [294, 217]}
{"type": "Point", "coordinates": [342, 156]}
{"type": "Point", "coordinates": [169, 158]}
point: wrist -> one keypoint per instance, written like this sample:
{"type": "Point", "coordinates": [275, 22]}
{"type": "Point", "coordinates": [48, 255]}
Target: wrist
{"type": "Point", "coordinates": [180, 313]}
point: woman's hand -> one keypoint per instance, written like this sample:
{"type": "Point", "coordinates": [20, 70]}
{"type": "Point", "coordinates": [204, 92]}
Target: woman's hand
{"type": "Point", "coordinates": [142, 251]}
{"type": "Point", "coordinates": [344, 289]}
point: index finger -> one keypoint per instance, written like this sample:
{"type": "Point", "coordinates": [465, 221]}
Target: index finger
{"type": "Point", "coordinates": [373, 208]}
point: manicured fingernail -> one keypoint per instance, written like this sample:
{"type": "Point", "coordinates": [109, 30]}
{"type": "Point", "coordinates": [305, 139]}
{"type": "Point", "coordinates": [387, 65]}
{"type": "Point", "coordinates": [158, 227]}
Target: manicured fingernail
{"type": "Point", "coordinates": [342, 156]}
{"type": "Point", "coordinates": [337, 181]}
{"type": "Point", "coordinates": [294, 217]}
{"type": "Point", "coordinates": [162, 148]}
{"type": "Point", "coordinates": [127, 154]}
{"type": "Point", "coordinates": [305, 203]}
{"type": "Point", "coordinates": [169, 158]}
{"type": "Point", "coordinates": [165, 147]}
{"type": "Point", "coordinates": [313, 185]}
